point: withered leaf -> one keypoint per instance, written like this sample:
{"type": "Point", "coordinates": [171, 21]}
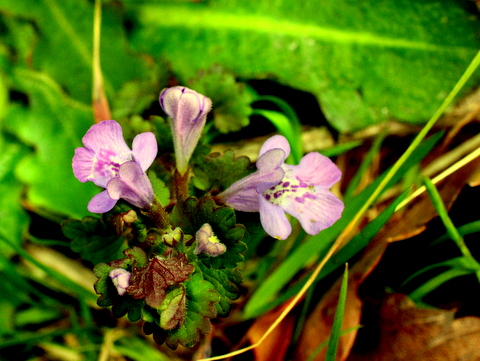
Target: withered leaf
{"type": "Point", "coordinates": [151, 282]}
{"type": "Point", "coordinates": [401, 331]}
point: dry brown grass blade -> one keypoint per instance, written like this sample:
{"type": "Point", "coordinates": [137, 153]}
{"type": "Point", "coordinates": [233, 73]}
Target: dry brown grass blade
{"type": "Point", "coordinates": [101, 109]}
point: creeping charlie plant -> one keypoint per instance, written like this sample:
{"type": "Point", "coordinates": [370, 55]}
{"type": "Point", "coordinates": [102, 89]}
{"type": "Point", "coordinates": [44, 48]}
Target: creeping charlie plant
{"type": "Point", "coordinates": [176, 267]}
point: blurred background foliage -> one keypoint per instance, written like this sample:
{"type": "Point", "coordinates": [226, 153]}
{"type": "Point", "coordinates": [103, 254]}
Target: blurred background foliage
{"type": "Point", "coordinates": [344, 64]}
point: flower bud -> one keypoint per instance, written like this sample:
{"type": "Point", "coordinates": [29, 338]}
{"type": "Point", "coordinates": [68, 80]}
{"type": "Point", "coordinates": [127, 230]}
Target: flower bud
{"type": "Point", "coordinates": [187, 111]}
{"type": "Point", "coordinates": [208, 243]}
{"type": "Point", "coordinates": [121, 279]}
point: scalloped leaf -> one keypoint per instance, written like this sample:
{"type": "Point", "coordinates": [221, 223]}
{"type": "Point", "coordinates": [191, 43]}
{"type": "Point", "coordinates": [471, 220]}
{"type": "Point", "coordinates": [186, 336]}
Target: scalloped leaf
{"type": "Point", "coordinates": [219, 170]}
{"type": "Point", "coordinates": [94, 240]}
{"type": "Point", "coordinates": [191, 214]}
{"type": "Point", "coordinates": [231, 100]}
{"type": "Point", "coordinates": [226, 283]}
{"type": "Point", "coordinates": [151, 282]}
{"type": "Point", "coordinates": [200, 303]}
{"type": "Point", "coordinates": [173, 308]}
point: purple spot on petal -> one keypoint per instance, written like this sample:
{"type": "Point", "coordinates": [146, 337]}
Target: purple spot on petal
{"type": "Point", "coordinates": [267, 197]}
{"type": "Point", "coordinates": [286, 184]}
{"type": "Point", "coordinates": [299, 199]}
{"type": "Point", "coordinates": [309, 195]}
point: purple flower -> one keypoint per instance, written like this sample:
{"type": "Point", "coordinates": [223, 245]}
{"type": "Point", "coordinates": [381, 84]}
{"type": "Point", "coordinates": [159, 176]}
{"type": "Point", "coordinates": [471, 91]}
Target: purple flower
{"type": "Point", "coordinates": [121, 279]}
{"type": "Point", "coordinates": [302, 191]}
{"type": "Point", "coordinates": [107, 161]}
{"type": "Point", "coordinates": [208, 243]}
{"type": "Point", "coordinates": [187, 111]}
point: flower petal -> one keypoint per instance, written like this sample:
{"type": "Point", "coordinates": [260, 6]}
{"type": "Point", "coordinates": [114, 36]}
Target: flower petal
{"type": "Point", "coordinates": [277, 141]}
{"type": "Point", "coordinates": [145, 149]}
{"type": "Point", "coordinates": [132, 185]}
{"type": "Point", "coordinates": [101, 203]}
{"type": "Point", "coordinates": [107, 134]}
{"type": "Point", "coordinates": [82, 164]}
{"type": "Point", "coordinates": [273, 219]}
{"type": "Point", "coordinates": [243, 195]}
{"type": "Point", "coordinates": [316, 210]}
{"type": "Point", "coordinates": [187, 112]}
{"type": "Point", "coordinates": [271, 159]}
{"type": "Point", "coordinates": [316, 169]}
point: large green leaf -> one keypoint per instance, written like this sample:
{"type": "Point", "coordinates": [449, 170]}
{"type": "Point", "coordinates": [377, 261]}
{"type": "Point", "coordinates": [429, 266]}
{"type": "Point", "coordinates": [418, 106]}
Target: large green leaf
{"type": "Point", "coordinates": [64, 46]}
{"type": "Point", "coordinates": [366, 61]}
{"type": "Point", "coordinates": [53, 125]}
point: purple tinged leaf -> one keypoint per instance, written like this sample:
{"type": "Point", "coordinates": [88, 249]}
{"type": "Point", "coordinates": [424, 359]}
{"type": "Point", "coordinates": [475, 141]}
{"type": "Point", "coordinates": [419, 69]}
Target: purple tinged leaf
{"type": "Point", "coordinates": [150, 282]}
{"type": "Point", "coordinates": [173, 309]}
{"type": "Point", "coordinates": [187, 111]}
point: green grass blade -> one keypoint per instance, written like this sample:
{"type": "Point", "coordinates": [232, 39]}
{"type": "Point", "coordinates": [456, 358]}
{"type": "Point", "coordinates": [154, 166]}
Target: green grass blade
{"type": "Point", "coordinates": [442, 211]}
{"type": "Point", "coordinates": [338, 320]}
{"type": "Point", "coordinates": [63, 280]}
{"type": "Point", "coordinates": [287, 129]}
{"type": "Point", "coordinates": [436, 282]}
{"type": "Point", "coordinates": [466, 229]}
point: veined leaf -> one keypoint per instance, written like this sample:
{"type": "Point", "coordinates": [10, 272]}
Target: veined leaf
{"type": "Point", "coordinates": [365, 61]}
{"type": "Point", "coordinates": [53, 125]}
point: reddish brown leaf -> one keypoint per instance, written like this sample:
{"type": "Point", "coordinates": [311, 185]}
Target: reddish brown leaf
{"type": "Point", "coordinates": [401, 331]}
{"type": "Point", "coordinates": [274, 347]}
{"type": "Point", "coordinates": [151, 282]}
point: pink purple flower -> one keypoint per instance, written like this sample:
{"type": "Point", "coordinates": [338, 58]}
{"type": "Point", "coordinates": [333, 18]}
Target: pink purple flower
{"type": "Point", "coordinates": [207, 242]}
{"type": "Point", "coordinates": [302, 191]}
{"type": "Point", "coordinates": [107, 161]}
{"type": "Point", "coordinates": [187, 111]}
{"type": "Point", "coordinates": [121, 279]}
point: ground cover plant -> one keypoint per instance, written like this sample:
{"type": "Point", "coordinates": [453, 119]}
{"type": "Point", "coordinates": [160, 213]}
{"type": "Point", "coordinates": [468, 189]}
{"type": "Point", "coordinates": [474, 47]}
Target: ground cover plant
{"type": "Point", "coordinates": [205, 180]}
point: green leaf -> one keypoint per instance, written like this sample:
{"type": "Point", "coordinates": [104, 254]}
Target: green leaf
{"type": "Point", "coordinates": [94, 240]}
{"type": "Point", "coordinates": [287, 129]}
{"type": "Point", "coordinates": [161, 191]}
{"type": "Point", "coordinates": [173, 310]}
{"type": "Point", "coordinates": [231, 101]}
{"type": "Point", "coordinates": [14, 219]}
{"type": "Point", "coordinates": [53, 125]}
{"type": "Point", "coordinates": [217, 171]}
{"type": "Point", "coordinates": [191, 214]}
{"type": "Point", "coordinates": [200, 303]}
{"type": "Point", "coordinates": [366, 62]}
{"type": "Point", "coordinates": [226, 283]}
{"type": "Point", "coordinates": [64, 49]}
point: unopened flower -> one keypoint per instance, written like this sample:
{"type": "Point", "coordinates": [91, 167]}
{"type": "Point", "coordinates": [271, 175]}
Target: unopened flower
{"type": "Point", "coordinates": [207, 242]}
{"type": "Point", "coordinates": [102, 161]}
{"type": "Point", "coordinates": [121, 279]}
{"type": "Point", "coordinates": [187, 111]}
{"type": "Point", "coordinates": [302, 191]}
